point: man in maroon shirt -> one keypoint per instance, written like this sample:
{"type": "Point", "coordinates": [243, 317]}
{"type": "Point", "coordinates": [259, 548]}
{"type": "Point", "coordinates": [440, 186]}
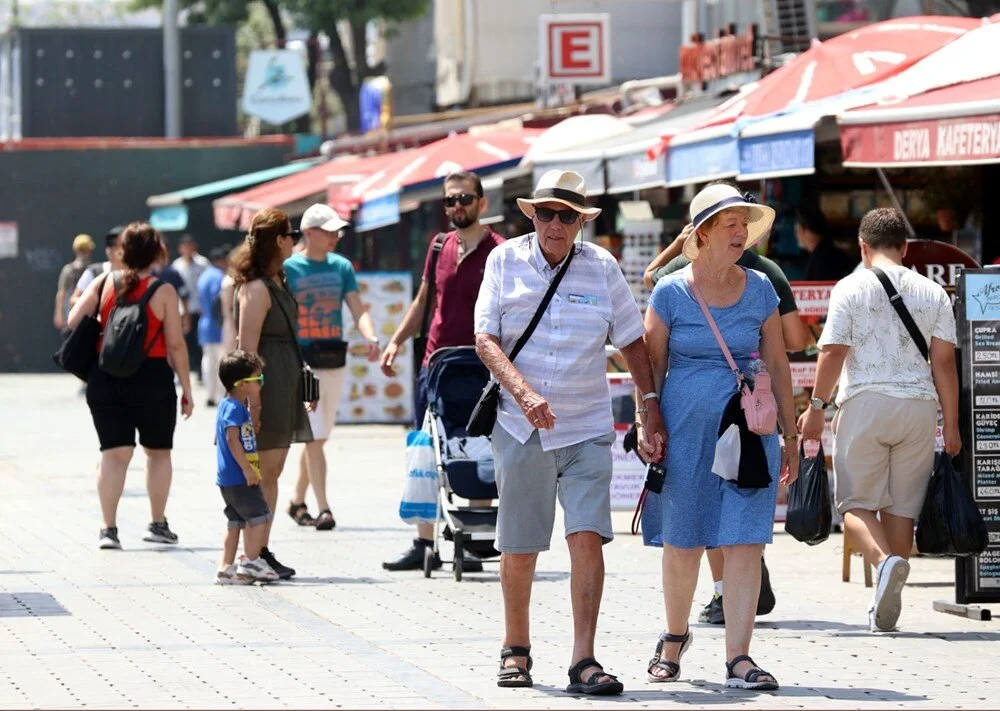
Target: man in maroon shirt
{"type": "Point", "coordinates": [457, 277]}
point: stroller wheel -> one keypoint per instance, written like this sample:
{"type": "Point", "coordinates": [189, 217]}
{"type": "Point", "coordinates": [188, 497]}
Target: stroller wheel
{"type": "Point", "coordinates": [428, 561]}
{"type": "Point", "coordinates": [459, 557]}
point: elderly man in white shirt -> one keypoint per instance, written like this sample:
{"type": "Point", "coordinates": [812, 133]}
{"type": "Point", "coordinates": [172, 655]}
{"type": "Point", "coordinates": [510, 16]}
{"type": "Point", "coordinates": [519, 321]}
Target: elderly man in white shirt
{"type": "Point", "coordinates": [554, 426]}
{"type": "Point", "coordinates": [885, 430]}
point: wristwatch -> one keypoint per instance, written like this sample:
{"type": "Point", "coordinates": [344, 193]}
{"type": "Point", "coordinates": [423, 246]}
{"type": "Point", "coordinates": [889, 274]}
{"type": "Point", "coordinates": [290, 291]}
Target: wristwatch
{"type": "Point", "coordinates": [818, 404]}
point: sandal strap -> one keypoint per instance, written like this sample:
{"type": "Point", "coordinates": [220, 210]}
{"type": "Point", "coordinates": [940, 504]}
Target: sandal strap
{"type": "Point", "coordinates": [736, 660]}
{"type": "Point", "coordinates": [514, 652]}
{"type": "Point", "coordinates": [755, 674]}
{"type": "Point", "coordinates": [511, 672]}
{"type": "Point", "coordinates": [673, 667]}
{"type": "Point", "coordinates": [508, 652]}
{"type": "Point", "coordinates": [675, 638]}
{"type": "Point", "coordinates": [577, 669]}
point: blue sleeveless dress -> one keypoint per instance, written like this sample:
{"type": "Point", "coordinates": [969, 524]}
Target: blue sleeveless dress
{"type": "Point", "coordinates": [699, 508]}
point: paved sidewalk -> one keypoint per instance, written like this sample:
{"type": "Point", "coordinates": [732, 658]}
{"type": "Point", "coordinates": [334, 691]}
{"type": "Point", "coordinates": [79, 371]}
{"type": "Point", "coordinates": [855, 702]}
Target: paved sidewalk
{"type": "Point", "coordinates": [146, 628]}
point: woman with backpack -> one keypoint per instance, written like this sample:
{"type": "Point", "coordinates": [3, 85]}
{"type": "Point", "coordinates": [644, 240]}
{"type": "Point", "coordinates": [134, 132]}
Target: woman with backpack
{"type": "Point", "coordinates": [131, 386]}
{"type": "Point", "coordinates": [265, 314]}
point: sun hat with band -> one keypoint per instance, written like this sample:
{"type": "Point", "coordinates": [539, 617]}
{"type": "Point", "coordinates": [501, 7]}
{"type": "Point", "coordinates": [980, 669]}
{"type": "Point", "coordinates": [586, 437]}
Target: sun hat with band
{"type": "Point", "coordinates": [716, 198]}
{"type": "Point", "coordinates": [562, 186]}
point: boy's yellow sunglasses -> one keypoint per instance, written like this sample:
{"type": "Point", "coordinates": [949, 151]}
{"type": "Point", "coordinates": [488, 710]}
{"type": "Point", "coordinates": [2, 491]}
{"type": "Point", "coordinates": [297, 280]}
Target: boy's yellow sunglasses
{"type": "Point", "coordinates": [255, 379]}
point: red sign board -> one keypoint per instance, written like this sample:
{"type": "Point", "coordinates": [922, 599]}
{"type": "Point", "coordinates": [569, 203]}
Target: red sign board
{"type": "Point", "coordinates": [972, 139]}
{"type": "Point", "coordinates": [729, 53]}
{"type": "Point", "coordinates": [575, 48]}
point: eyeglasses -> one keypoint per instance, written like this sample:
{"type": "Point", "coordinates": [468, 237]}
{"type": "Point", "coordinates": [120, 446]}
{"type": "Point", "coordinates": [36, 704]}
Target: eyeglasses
{"type": "Point", "coordinates": [255, 379]}
{"type": "Point", "coordinates": [294, 234]}
{"type": "Point", "coordinates": [547, 214]}
{"type": "Point", "coordinates": [465, 199]}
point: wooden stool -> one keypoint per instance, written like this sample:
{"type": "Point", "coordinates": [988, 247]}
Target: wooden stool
{"type": "Point", "coordinates": [850, 550]}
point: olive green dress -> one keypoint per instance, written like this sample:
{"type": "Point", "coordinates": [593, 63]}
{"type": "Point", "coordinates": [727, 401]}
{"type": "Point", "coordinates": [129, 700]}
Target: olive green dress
{"type": "Point", "coordinates": [283, 418]}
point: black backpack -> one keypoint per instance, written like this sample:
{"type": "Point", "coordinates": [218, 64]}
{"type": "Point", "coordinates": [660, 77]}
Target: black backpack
{"type": "Point", "coordinates": [124, 347]}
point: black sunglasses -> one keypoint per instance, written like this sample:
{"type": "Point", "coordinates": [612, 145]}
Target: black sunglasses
{"type": "Point", "coordinates": [547, 214]}
{"type": "Point", "coordinates": [465, 199]}
{"type": "Point", "coordinates": [295, 234]}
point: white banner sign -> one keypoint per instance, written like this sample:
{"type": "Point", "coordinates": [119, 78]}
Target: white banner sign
{"type": "Point", "coordinates": [276, 88]}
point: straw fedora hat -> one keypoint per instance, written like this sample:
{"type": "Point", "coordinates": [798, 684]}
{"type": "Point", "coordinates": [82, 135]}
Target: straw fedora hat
{"type": "Point", "coordinates": [562, 186]}
{"type": "Point", "coordinates": [716, 198]}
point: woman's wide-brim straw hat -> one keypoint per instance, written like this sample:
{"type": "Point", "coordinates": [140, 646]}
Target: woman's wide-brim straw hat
{"type": "Point", "coordinates": [562, 186]}
{"type": "Point", "coordinates": [716, 198]}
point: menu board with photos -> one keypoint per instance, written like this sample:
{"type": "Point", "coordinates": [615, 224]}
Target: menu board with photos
{"type": "Point", "coordinates": [978, 578]}
{"type": "Point", "coordinates": [369, 396]}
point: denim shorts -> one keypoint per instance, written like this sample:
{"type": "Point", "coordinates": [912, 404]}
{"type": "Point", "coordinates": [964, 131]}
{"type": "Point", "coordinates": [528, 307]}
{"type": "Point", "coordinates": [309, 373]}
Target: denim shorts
{"type": "Point", "coordinates": [245, 506]}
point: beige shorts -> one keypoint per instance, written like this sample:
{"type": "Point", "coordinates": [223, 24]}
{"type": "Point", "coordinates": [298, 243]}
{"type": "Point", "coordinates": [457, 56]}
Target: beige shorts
{"type": "Point", "coordinates": [883, 453]}
{"type": "Point", "coordinates": [331, 385]}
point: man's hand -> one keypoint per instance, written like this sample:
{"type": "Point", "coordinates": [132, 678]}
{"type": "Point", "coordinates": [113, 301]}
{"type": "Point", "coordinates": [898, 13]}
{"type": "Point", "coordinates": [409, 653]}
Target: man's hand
{"type": "Point", "coordinates": [952, 440]}
{"type": "Point", "coordinates": [59, 322]}
{"type": "Point", "coordinates": [811, 425]}
{"type": "Point", "coordinates": [653, 437]}
{"type": "Point", "coordinates": [536, 409]}
{"type": "Point", "coordinates": [373, 352]}
{"type": "Point", "coordinates": [388, 359]}
{"type": "Point", "coordinates": [789, 471]}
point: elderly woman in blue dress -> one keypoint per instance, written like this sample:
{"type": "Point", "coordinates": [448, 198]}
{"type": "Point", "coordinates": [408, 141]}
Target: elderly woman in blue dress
{"type": "Point", "coordinates": [698, 508]}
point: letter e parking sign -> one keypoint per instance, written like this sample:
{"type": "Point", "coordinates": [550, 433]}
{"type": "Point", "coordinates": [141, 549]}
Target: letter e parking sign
{"type": "Point", "coordinates": [575, 48]}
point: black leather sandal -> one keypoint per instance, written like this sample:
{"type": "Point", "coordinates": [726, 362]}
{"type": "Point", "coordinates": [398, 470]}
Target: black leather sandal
{"type": "Point", "coordinates": [325, 521]}
{"type": "Point", "coordinates": [750, 680]}
{"type": "Point", "coordinates": [514, 677]}
{"type": "Point", "coordinates": [673, 669]}
{"type": "Point", "coordinates": [592, 686]}
{"type": "Point", "coordinates": [300, 514]}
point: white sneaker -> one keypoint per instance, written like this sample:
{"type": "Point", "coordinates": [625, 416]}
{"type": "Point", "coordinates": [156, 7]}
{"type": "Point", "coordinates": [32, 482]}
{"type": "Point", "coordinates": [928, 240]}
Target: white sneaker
{"type": "Point", "coordinates": [257, 571]}
{"type": "Point", "coordinates": [227, 575]}
{"type": "Point", "coordinates": [888, 603]}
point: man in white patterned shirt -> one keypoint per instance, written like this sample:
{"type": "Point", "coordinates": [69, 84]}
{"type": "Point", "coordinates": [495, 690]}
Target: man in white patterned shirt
{"type": "Point", "coordinates": [884, 432]}
{"type": "Point", "coordinates": [554, 425]}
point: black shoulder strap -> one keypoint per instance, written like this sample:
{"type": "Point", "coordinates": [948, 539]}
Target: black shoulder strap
{"type": "Point", "coordinates": [542, 306]}
{"type": "Point", "coordinates": [904, 314]}
{"type": "Point", "coordinates": [436, 246]}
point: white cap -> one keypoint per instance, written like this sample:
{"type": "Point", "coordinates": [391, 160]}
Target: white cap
{"type": "Point", "coordinates": [323, 217]}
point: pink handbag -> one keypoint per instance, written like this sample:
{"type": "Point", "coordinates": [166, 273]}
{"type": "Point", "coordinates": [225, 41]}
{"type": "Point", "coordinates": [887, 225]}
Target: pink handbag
{"type": "Point", "coordinates": [758, 403]}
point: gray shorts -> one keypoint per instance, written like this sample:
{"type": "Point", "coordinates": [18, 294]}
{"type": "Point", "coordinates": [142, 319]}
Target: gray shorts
{"type": "Point", "coordinates": [529, 478]}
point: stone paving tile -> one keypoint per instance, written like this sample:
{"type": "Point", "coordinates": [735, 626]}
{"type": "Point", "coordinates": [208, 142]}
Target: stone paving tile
{"type": "Point", "coordinates": [145, 627]}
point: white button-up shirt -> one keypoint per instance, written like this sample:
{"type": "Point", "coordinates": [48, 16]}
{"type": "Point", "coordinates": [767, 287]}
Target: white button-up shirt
{"type": "Point", "coordinates": [564, 359]}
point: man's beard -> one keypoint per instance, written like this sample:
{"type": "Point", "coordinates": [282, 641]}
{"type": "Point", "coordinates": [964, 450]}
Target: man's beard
{"type": "Point", "coordinates": [463, 222]}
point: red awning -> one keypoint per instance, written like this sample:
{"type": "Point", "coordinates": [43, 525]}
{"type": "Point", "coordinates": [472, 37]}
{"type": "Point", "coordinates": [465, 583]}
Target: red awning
{"type": "Point", "coordinates": [296, 192]}
{"type": "Point", "coordinates": [463, 151]}
{"type": "Point", "coordinates": [853, 60]}
{"type": "Point", "coordinates": [956, 125]}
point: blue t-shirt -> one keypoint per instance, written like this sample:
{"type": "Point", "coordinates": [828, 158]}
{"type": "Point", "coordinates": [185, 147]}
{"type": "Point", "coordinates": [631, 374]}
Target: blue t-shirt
{"type": "Point", "coordinates": [233, 413]}
{"type": "Point", "coordinates": [209, 288]}
{"type": "Point", "coordinates": [319, 289]}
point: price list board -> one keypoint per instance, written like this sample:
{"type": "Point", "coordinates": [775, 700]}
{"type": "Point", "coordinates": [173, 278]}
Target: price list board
{"type": "Point", "coordinates": [978, 306]}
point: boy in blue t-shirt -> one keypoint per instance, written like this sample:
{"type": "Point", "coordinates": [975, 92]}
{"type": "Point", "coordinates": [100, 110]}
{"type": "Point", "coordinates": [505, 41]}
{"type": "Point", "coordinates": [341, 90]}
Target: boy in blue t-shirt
{"type": "Point", "coordinates": [239, 472]}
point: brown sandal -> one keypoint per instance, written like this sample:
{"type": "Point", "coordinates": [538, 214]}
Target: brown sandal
{"type": "Point", "coordinates": [300, 514]}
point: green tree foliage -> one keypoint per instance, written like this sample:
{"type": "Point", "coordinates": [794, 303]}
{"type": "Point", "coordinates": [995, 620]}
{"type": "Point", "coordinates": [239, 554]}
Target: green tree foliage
{"type": "Point", "coordinates": [350, 64]}
{"type": "Point", "coordinates": [344, 22]}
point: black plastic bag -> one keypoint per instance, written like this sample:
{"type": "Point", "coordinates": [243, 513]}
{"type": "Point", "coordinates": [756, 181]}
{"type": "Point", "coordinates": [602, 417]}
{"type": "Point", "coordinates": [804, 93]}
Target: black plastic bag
{"type": "Point", "coordinates": [810, 516]}
{"type": "Point", "coordinates": [950, 523]}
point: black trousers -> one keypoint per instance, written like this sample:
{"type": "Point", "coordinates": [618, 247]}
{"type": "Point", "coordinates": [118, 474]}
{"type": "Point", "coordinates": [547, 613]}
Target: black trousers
{"type": "Point", "coordinates": [194, 350]}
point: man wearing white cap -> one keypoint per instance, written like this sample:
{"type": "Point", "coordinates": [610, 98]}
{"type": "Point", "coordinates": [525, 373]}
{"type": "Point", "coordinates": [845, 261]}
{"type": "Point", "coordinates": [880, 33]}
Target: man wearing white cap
{"type": "Point", "coordinates": [554, 426]}
{"type": "Point", "coordinates": [322, 282]}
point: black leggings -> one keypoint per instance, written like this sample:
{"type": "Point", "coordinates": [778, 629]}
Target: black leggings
{"type": "Point", "coordinates": [146, 401]}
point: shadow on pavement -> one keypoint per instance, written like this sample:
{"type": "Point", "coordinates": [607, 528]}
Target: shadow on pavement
{"type": "Point", "coordinates": [706, 693]}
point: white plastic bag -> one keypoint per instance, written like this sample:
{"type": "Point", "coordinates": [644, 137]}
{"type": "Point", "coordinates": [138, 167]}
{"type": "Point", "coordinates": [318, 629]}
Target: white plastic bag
{"type": "Point", "coordinates": [727, 454]}
{"type": "Point", "coordinates": [419, 502]}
